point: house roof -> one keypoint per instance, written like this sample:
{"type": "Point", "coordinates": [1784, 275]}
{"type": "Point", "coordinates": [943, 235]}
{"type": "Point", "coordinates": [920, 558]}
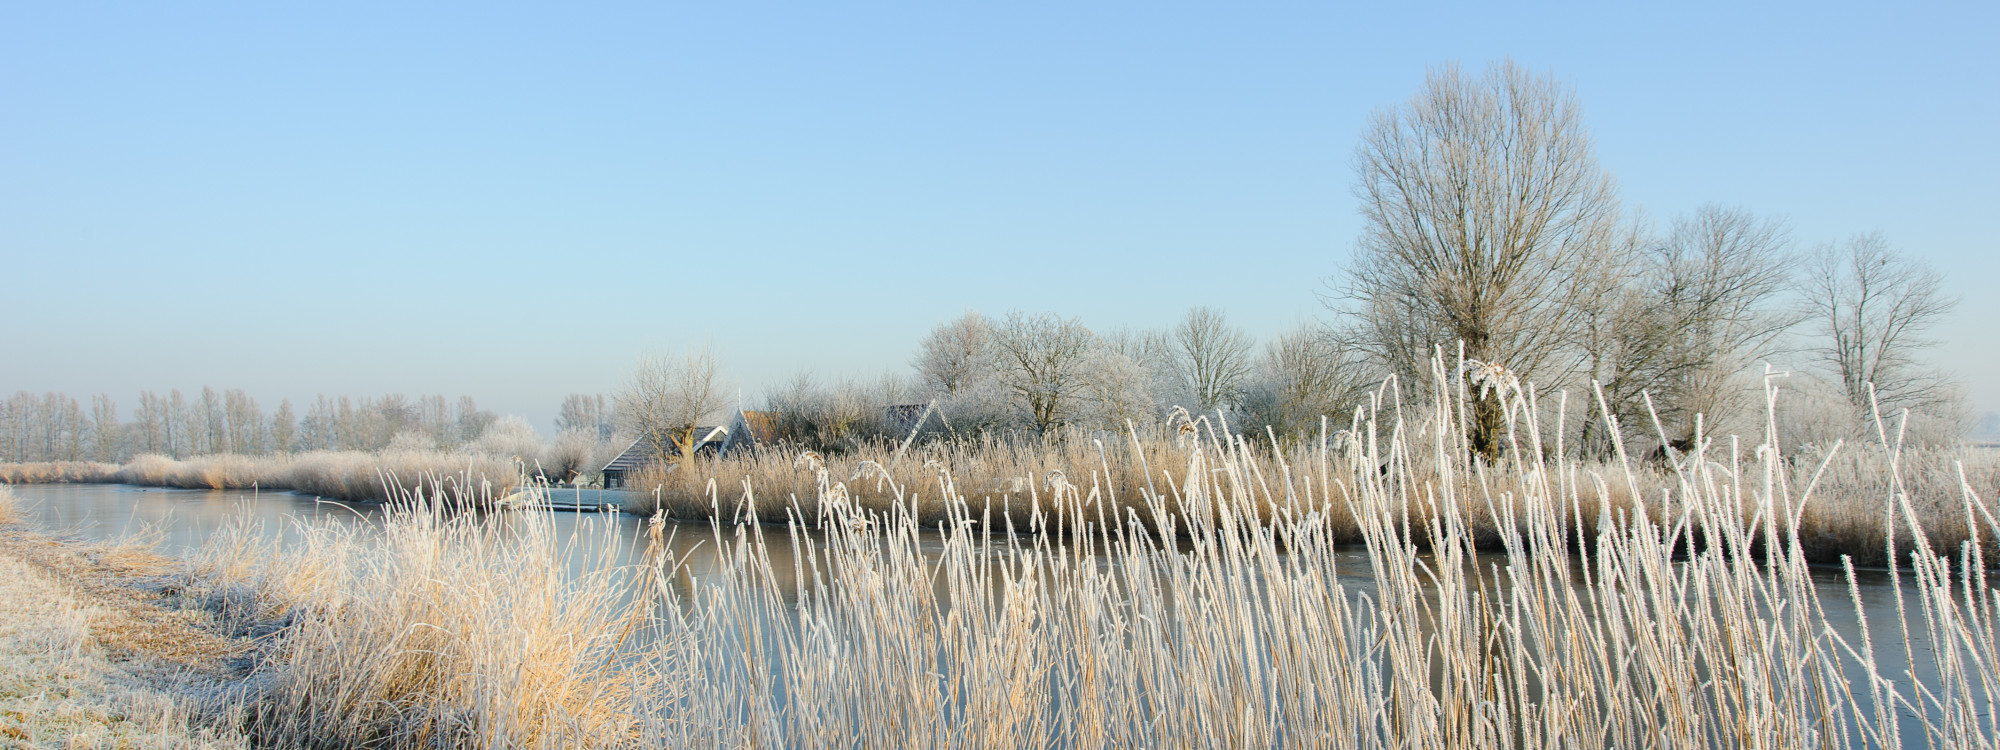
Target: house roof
{"type": "Point", "coordinates": [642, 450]}
{"type": "Point", "coordinates": [631, 458]}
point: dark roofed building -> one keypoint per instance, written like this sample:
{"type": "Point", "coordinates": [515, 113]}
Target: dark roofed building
{"type": "Point", "coordinates": [643, 451]}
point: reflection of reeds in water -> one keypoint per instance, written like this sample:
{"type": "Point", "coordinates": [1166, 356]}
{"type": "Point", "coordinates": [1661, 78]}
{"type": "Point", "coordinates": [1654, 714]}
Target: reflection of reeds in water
{"type": "Point", "coordinates": [1593, 626]}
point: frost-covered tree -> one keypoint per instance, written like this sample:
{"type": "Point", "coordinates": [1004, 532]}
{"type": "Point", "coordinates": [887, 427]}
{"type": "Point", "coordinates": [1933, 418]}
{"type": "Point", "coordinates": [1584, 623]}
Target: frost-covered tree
{"type": "Point", "coordinates": [1213, 359]}
{"type": "Point", "coordinates": [588, 412]}
{"type": "Point", "coordinates": [1484, 211]}
{"type": "Point", "coordinates": [958, 356]}
{"type": "Point", "coordinates": [1305, 375]}
{"type": "Point", "coordinates": [107, 432]}
{"type": "Point", "coordinates": [666, 398]}
{"type": "Point", "coordinates": [1045, 367]}
{"type": "Point", "coordinates": [1872, 308]}
{"type": "Point", "coordinates": [284, 428]}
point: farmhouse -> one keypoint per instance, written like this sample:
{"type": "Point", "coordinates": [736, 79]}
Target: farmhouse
{"type": "Point", "coordinates": [744, 429]}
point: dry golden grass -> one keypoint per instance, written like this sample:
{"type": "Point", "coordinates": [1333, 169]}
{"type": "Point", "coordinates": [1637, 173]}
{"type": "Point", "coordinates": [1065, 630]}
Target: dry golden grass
{"type": "Point", "coordinates": [450, 630]}
{"type": "Point", "coordinates": [54, 472]}
{"type": "Point", "coordinates": [340, 475]}
{"type": "Point", "coordinates": [1012, 478]}
{"type": "Point", "coordinates": [1855, 499]}
{"type": "Point", "coordinates": [1005, 473]}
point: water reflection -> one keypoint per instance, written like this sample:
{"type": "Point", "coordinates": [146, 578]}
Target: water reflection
{"type": "Point", "coordinates": [179, 520]}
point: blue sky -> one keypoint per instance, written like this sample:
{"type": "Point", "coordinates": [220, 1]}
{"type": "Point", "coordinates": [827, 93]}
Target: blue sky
{"type": "Point", "coordinates": [511, 201]}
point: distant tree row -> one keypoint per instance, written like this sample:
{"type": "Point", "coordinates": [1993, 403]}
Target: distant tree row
{"type": "Point", "coordinates": [55, 427]}
{"type": "Point", "coordinates": [1040, 372]}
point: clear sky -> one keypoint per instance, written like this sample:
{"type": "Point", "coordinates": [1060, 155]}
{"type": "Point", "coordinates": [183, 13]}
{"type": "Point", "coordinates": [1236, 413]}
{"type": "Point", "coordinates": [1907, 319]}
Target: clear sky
{"type": "Point", "coordinates": [511, 201]}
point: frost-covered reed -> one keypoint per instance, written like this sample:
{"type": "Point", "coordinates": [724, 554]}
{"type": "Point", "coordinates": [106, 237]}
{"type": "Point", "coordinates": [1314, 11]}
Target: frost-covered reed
{"type": "Point", "coordinates": [57, 472]}
{"type": "Point", "coordinates": [1851, 481]}
{"type": "Point", "coordinates": [1689, 620]}
{"type": "Point", "coordinates": [340, 475]}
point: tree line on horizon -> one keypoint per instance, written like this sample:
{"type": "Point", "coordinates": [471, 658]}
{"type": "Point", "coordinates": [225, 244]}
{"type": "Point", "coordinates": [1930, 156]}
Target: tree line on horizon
{"type": "Point", "coordinates": [56, 427]}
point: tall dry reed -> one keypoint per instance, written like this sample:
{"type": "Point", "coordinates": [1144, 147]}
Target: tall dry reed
{"type": "Point", "coordinates": [340, 475]}
{"type": "Point", "coordinates": [1014, 476]}
{"type": "Point", "coordinates": [448, 631]}
{"type": "Point", "coordinates": [58, 472]}
{"type": "Point", "coordinates": [852, 627]}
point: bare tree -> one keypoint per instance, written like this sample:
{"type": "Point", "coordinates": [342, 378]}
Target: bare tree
{"type": "Point", "coordinates": [1720, 273]}
{"type": "Point", "coordinates": [385, 418]}
{"type": "Point", "coordinates": [666, 399]}
{"type": "Point", "coordinates": [957, 355]}
{"type": "Point", "coordinates": [1212, 359]}
{"type": "Point", "coordinates": [213, 422]}
{"type": "Point", "coordinates": [1873, 307]}
{"type": "Point", "coordinates": [586, 412]}
{"type": "Point", "coordinates": [107, 433]}
{"type": "Point", "coordinates": [244, 422]}
{"type": "Point", "coordinates": [1045, 366]}
{"type": "Point", "coordinates": [51, 427]}
{"type": "Point", "coordinates": [1484, 211]}
{"type": "Point", "coordinates": [1119, 390]}
{"type": "Point", "coordinates": [1305, 375]}
{"type": "Point", "coordinates": [317, 429]}
{"type": "Point", "coordinates": [1681, 319]}
{"type": "Point", "coordinates": [835, 419]}
{"type": "Point", "coordinates": [15, 421]}
{"type": "Point", "coordinates": [13, 430]}
{"type": "Point", "coordinates": [67, 427]}
{"type": "Point", "coordinates": [284, 428]}
{"type": "Point", "coordinates": [434, 418]}
{"type": "Point", "coordinates": [150, 424]}
{"type": "Point", "coordinates": [472, 420]}
{"type": "Point", "coordinates": [570, 455]}
{"type": "Point", "coordinates": [182, 428]}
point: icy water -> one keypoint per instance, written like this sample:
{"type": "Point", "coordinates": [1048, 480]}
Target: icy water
{"type": "Point", "coordinates": [180, 521]}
